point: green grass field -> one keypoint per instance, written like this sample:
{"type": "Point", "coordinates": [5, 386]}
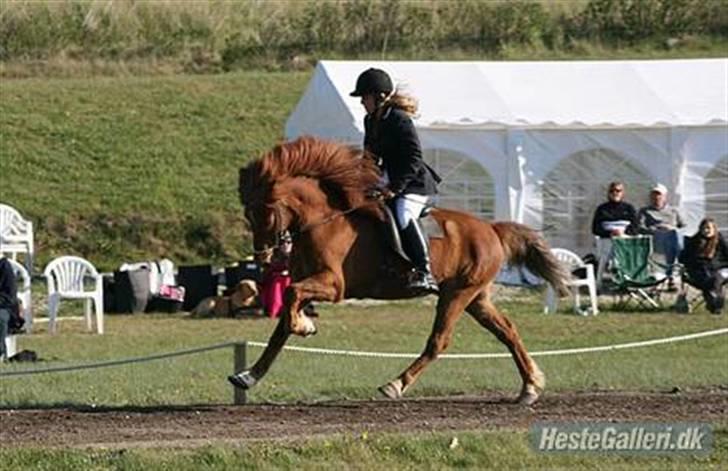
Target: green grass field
{"type": "Point", "coordinates": [397, 327]}
{"type": "Point", "coordinates": [431, 451]}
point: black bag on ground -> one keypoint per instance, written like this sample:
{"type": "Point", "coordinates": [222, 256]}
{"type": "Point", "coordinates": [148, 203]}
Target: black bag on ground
{"type": "Point", "coordinates": [199, 283]}
{"type": "Point", "coordinates": [160, 304]}
{"type": "Point", "coordinates": [23, 356]}
{"type": "Point", "coordinates": [131, 290]}
{"type": "Point", "coordinates": [108, 286]}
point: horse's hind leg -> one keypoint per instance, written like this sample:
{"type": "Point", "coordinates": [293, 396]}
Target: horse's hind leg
{"type": "Point", "coordinates": [483, 310]}
{"type": "Point", "coordinates": [449, 308]}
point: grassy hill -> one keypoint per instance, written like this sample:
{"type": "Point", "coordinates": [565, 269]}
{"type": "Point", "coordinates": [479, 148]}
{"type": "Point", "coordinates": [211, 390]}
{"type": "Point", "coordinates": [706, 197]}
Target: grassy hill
{"type": "Point", "coordinates": [118, 169]}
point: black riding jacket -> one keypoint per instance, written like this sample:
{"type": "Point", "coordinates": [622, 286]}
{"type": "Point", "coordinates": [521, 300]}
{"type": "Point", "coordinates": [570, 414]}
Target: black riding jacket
{"type": "Point", "coordinates": [614, 211]}
{"type": "Point", "coordinates": [393, 139]}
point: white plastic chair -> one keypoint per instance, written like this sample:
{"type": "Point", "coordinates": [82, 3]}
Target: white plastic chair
{"type": "Point", "coordinates": [574, 262]}
{"type": "Point", "coordinates": [23, 282]}
{"type": "Point", "coordinates": [66, 276]}
{"type": "Point", "coordinates": [16, 235]}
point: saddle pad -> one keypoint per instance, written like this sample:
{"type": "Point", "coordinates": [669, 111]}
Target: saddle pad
{"type": "Point", "coordinates": [431, 228]}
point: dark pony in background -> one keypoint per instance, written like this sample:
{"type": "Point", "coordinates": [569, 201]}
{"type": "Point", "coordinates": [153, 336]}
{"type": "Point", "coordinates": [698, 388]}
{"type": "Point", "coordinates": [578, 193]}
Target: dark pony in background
{"type": "Point", "coordinates": [319, 191]}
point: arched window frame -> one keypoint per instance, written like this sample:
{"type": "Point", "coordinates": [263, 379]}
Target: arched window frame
{"type": "Point", "coordinates": [466, 185]}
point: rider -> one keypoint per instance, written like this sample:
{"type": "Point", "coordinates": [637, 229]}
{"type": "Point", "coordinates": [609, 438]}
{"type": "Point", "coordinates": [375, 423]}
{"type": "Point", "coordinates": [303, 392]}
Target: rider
{"type": "Point", "coordinates": [390, 136]}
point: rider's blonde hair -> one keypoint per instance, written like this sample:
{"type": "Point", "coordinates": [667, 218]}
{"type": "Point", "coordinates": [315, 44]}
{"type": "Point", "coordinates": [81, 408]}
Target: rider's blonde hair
{"type": "Point", "coordinates": [404, 102]}
{"type": "Point", "coordinates": [399, 100]}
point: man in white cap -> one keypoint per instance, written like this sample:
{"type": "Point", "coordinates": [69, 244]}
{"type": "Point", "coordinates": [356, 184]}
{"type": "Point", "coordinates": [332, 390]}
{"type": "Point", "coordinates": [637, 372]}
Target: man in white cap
{"type": "Point", "coordinates": [662, 221]}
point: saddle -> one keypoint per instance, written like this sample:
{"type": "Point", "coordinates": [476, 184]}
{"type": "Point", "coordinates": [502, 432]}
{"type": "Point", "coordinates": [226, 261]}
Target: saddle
{"type": "Point", "coordinates": [430, 228]}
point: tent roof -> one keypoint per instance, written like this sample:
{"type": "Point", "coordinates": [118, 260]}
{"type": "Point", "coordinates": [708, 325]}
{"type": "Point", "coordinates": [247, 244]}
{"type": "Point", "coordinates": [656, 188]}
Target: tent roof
{"type": "Point", "coordinates": [541, 94]}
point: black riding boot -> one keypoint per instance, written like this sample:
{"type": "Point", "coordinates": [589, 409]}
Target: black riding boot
{"type": "Point", "coordinates": [416, 248]}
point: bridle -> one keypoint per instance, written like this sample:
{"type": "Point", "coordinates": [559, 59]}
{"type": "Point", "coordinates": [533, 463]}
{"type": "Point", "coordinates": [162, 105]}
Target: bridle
{"type": "Point", "coordinates": [285, 233]}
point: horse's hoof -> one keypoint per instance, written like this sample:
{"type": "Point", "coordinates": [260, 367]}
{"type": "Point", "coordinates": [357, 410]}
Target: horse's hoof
{"type": "Point", "coordinates": [242, 380]}
{"type": "Point", "coordinates": [306, 327]}
{"type": "Point", "coordinates": [529, 396]}
{"type": "Point", "coordinates": [392, 390]}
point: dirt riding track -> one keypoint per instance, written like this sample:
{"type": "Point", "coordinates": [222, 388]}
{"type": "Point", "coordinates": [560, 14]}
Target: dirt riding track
{"type": "Point", "coordinates": [190, 425]}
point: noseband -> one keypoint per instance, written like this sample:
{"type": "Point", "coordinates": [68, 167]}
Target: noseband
{"type": "Point", "coordinates": [281, 233]}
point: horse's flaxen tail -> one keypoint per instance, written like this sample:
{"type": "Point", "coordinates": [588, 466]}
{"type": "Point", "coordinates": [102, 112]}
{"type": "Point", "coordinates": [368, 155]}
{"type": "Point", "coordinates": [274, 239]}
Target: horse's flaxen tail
{"type": "Point", "coordinates": [523, 246]}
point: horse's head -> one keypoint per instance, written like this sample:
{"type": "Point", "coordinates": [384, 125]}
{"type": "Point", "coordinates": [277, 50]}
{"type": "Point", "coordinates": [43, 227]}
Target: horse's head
{"type": "Point", "coordinates": [267, 215]}
{"type": "Point", "coordinates": [300, 181]}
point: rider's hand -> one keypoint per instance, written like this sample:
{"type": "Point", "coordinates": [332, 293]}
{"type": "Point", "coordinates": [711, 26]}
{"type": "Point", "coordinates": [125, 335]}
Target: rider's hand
{"type": "Point", "coordinates": [388, 194]}
{"type": "Point", "coordinates": [380, 194]}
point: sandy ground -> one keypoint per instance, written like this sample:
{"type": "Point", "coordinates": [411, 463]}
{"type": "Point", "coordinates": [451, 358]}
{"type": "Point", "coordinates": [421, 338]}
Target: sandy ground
{"type": "Point", "coordinates": [197, 425]}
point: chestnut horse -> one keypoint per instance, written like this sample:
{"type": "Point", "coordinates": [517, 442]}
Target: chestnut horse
{"type": "Point", "coordinates": [320, 192]}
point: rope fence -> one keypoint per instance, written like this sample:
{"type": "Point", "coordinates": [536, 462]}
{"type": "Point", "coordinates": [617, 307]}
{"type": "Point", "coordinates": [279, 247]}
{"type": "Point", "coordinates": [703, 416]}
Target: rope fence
{"type": "Point", "coordinates": [353, 353]}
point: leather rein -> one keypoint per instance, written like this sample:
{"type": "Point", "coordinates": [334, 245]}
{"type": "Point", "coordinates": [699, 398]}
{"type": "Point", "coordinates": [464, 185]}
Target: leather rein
{"type": "Point", "coordinates": [282, 234]}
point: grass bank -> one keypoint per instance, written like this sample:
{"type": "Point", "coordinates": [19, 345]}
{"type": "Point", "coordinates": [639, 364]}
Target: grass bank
{"type": "Point", "coordinates": [44, 37]}
{"type": "Point", "coordinates": [118, 169]}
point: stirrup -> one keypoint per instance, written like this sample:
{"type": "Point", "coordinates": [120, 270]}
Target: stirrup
{"type": "Point", "coordinates": [423, 281]}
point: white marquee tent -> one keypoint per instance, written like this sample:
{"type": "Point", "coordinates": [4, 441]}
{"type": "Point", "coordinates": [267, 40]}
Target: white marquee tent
{"type": "Point", "coordinates": [537, 142]}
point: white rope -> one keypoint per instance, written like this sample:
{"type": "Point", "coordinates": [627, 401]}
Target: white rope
{"type": "Point", "coordinates": [471, 356]}
{"type": "Point", "coordinates": [327, 351]}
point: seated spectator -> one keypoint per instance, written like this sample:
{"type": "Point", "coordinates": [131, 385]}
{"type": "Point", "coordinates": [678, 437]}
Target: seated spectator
{"type": "Point", "coordinates": [276, 278]}
{"type": "Point", "coordinates": [11, 318]}
{"type": "Point", "coordinates": [616, 217]}
{"type": "Point", "coordinates": [705, 257]}
{"type": "Point", "coordinates": [662, 221]}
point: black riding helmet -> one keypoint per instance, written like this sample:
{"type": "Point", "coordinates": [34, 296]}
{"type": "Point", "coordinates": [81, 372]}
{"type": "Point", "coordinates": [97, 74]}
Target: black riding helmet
{"type": "Point", "coordinates": [373, 81]}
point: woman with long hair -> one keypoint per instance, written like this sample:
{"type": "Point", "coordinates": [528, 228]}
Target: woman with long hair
{"type": "Point", "coordinates": [391, 138]}
{"type": "Point", "coordinates": [705, 258]}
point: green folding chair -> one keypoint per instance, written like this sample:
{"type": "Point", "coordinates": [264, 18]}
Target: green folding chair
{"type": "Point", "coordinates": [634, 274]}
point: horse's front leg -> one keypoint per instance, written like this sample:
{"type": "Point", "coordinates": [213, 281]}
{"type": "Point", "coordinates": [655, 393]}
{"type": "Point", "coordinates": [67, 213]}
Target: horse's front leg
{"type": "Point", "coordinates": [248, 378]}
{"type": "Point", "coordinates": [322, 287]}
{"type": "Point", "coordinates": [325, 286]}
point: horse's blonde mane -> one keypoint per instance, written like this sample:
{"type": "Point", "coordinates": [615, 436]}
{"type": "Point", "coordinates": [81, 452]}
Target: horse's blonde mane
{"type": "Point", "coordinates": [342, 171]}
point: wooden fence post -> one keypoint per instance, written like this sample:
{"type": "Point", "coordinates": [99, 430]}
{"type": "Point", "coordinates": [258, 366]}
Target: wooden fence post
{"type": "Point", "coordinates": [239, 352]}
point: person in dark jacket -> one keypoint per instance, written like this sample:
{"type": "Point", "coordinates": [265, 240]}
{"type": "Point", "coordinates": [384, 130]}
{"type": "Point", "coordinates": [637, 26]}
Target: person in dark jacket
{"type": "Point", "coordinates": [705, 258]}
{"type": "Point", "coordinates": [9, 305]}
{"type": "Point", "coordinates": [616, 217]}
{"type": "Point", "coordinates": [391, 138]}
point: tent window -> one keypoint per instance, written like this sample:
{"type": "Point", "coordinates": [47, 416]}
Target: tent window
{"type": "Point", "coordinates": [465, 186]}
{"type": "Point", "coordinates": [716, 194]}
{"type": "Point", "coordinates": [577, 185]}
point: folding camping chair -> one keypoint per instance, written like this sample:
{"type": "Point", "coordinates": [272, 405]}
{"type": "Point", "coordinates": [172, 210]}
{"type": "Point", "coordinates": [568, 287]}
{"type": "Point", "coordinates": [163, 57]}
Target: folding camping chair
{"type": "Point", "coordinates": [690, 296]}
{"type": "Point", "coordinates": [635, 276]}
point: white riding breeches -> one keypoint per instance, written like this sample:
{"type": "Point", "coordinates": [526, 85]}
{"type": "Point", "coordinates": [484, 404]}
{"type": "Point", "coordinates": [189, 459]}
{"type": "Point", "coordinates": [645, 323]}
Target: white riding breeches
{"type": "Point", "coordinates": [409, 207]}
